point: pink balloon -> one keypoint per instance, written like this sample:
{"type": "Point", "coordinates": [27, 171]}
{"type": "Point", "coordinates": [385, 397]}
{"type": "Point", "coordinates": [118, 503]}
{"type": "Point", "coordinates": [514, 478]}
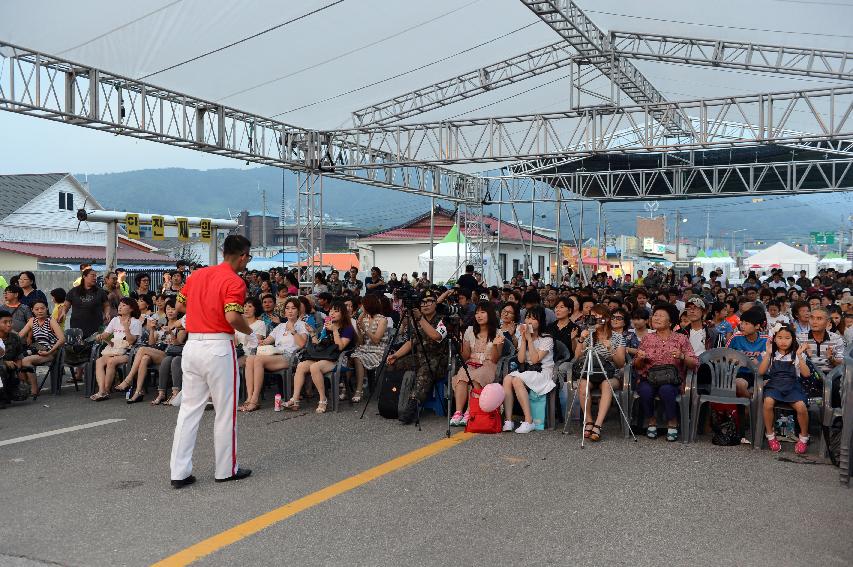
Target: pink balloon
{"type": "Point", "coordinates": [491, 397]}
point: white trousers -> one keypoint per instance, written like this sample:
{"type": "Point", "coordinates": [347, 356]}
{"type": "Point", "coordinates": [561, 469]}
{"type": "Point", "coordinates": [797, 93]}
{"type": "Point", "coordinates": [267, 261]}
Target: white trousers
{"type": "Point", "coordinates": [209, 364]}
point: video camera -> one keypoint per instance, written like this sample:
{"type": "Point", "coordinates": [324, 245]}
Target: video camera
{"type": "Point", "coordinates": [410, 297]}
{"type": "Point", "coordinates": [592, 320]}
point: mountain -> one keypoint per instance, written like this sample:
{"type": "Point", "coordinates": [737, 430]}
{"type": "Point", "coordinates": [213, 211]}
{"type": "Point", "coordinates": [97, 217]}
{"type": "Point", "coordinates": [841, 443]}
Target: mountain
{"type": "Point", "coordinates": [218, 192]}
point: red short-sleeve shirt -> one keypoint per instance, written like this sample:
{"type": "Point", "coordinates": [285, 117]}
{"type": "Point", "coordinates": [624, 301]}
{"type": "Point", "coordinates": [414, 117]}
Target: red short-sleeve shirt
{"type": "Point", "coordinates": [208, 294]}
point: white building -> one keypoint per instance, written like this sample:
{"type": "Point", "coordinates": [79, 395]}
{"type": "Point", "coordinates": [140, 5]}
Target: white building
{"type": "Point", "coordinates": [39, 228]}
{"type": "Point", "coordinates": [397, 249]}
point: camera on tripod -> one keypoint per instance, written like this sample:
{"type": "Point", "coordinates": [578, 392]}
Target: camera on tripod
{"type": "Point", "coordinates": [410, 297]}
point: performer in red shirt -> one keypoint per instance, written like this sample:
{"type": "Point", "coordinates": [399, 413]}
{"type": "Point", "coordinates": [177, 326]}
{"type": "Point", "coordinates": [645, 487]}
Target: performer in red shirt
{"type": "Point", "coordinates": [213, 300]}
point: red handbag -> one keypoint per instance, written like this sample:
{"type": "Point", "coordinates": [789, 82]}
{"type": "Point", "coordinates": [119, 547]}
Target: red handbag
{"type": "Point", "coordinates": [480, 421]}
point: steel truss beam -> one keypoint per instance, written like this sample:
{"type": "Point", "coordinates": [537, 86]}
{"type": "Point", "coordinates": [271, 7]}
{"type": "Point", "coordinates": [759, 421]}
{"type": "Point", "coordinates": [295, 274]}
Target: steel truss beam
{"type": "Point", "coordinates": [467, 85]}
{"type": "Point", "coordinates": [803, 61]}
{"type": "Point", "coordinates": [696, 181]}
{"type": "Point", "coordinates": [783, 117]}
{"type": "Point", "coordinates": [568, 20]}
{"type": "Point", "coordinates": [309, 224]}
{"type": "Point", "coordinates": [41, 85]}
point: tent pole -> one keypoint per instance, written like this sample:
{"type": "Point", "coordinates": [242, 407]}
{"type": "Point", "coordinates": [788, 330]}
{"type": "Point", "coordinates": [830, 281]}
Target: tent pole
{"type": "Point", "coordinates": [502, 272]}
{"type": "Point", "coordinates": [431, 236]}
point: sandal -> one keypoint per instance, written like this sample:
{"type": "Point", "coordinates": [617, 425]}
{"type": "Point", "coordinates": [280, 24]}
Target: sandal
{"type": "Point", "coordinates": [672, 434]}
{"type": "Point", "coordinates": [587, 429]}
{"type": "Point", "coordinates": [138, 396]}
{"type": "Point", "coordinates": [161, 397]}
{"type": "Point", "coordinates": [249, 407]}
{"type": "Point", "coordinates": [291, 404]}
{"type": "Point", "coordinates": [123, 386]}
{"type": "Point", "coordinates": [321, 406]}
{"type": "Point", "coordinates": [652, 432]}
{"type": "Point", "coordinates": [100, 397]}
{"type": "Point", "coordinates": [595, 433]}
{"type": "Point", "coordinates": [356, 397]}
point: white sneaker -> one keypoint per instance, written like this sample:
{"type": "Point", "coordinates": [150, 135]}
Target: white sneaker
{"type": "Point", "coordinates": [508, 426]}
{"type": "Point", "coordinates": [525, 427]}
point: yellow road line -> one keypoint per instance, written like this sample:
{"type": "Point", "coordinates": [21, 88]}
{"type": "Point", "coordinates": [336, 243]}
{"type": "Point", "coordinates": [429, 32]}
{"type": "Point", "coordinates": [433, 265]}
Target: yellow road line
{"type": "Point", "coordinates": [253, 526]}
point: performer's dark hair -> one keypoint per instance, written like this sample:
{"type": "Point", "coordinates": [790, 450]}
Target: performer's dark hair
{"type": "Point", "coordinates": [235, 245]}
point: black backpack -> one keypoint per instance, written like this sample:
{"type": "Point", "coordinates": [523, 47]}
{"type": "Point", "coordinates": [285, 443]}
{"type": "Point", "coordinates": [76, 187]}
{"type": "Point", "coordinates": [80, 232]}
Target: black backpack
{"type": "Point", "coordinates": [394, 393]}
{"type": "Point", "coordinates": [724, 426]}
{"type": "Point", "coordinates": [833, 440]}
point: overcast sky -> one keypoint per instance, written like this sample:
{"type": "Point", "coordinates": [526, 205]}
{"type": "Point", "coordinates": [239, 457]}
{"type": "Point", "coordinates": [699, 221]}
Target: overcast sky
{"type": "Point", "coordinates": [327, 54]}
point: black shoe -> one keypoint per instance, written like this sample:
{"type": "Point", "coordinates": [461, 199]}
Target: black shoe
{"type": "Point", "coordinates": [239, 475]}
{"type": "Point", "coordinates": [409, 413]}
{"type": "Point", "coordinates": [182, 483]}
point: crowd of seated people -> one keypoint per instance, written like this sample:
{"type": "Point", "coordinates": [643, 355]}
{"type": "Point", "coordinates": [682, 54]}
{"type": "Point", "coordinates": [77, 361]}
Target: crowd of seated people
{"type": "Point", "coordinates": [627, 326]}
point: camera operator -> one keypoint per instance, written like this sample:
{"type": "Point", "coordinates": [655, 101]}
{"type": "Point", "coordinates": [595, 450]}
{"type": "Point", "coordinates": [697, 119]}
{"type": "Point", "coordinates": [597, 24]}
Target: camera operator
{"type": "Point", "coordinates": [427, 356]}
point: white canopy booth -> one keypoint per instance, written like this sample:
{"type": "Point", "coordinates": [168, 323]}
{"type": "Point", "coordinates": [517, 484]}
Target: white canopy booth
{"type": "Point", "coordinates": [780, 255]}
{"type": "Point", "coordinates": [716, 260]}
{"type": "Point", "coordinates": [835, 260]}
{"type": "Point", "coordinates": [449, 259]}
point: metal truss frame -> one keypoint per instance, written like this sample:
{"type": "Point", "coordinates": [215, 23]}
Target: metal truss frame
{"type": "Point", "coordinates": [802, 61]}
{"type": "Point", "coordinates": [461, 87]}
{"type": "Point", "coordinates": [57, 89]}
{"type": "Point", "coordinates": [309, 224]}
{"type": "Point", "coordinates": [766, 118]}
{"type": "Point", "coordinates": [686, 181]}
{"type": "Point", "coordinates": [569, 21]}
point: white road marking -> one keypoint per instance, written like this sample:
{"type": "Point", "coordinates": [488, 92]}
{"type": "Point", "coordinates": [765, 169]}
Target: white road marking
{"type": "Point", "coordinates": [58, 431]}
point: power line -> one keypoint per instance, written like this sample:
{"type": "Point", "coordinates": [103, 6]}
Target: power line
{"type": "Point", "coordinates": [667, 21]}
{"type": "Point", "coordinates": [346, 53]}
{"type": "Point", "coordinates": [398, 75]}
{"type": "Point", "coordinates": [121, 27]}
{"type": "Point", "coordinates": [243, 40]}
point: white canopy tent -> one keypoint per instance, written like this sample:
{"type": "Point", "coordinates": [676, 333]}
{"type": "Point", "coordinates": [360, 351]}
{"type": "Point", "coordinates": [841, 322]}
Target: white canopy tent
{"type": "Point", "coordinates": [780, 255]}
{"type": "Point", "coordinates": [449, 259]}
{"type": "Point", "coordinates": [835, 261]}
{"type": "Point", "coordinates": [716, 261]}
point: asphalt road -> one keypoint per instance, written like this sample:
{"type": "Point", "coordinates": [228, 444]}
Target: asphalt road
{"type": "Point", "coordinates": [101, 496]}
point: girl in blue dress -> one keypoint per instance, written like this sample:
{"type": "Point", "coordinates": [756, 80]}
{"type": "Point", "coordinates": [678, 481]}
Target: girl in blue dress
{"type": "Point", "coordinates": [784, 364]}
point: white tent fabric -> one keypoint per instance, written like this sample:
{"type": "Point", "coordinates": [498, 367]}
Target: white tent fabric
{"type": "Point", "coordinates": [444, 260]}
{"type": "Point", "coordinates": [446, 267]}
{"type": "Point", "coordinates": [840, 264]}
{"type": "Point", "coordinates": [790, 259]}
{"type": "Point", "coordinates": [725, 263]}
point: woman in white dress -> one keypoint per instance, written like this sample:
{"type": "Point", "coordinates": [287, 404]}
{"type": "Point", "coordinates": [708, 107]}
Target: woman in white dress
{"type": "Point", "coordinates": [290, 336]}
{"type": "Point", "coordinates": [537, 354]}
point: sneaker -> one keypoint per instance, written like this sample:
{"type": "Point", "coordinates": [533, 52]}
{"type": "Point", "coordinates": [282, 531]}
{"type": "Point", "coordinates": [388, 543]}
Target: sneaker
{"type": "Point", "coordinates": [525, 427]}
{"type": "Point", "coordinates": [774, 445]}
{"type": "Point", "coordinates": [465, 419]}
{"type": "Point", "coordinates": [409, 413]}
{"type": "Point", "coordinates": [456, 420]}
{"type": "Point", "coordinates": [508, 426]}
{"type": "Point", "coordinates": [652, 432]}
{"type": "Point", "coordinates": [801, 447]}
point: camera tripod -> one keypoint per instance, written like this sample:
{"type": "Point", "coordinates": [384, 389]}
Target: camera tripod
{"type": "Point", "coordinates": [589, 366]}
{"type": "Point", "coordinates": [417, 342]}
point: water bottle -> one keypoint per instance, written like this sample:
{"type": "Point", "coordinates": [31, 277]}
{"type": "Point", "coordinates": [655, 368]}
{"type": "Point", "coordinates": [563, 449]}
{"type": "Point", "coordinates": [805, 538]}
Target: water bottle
{"type": "Point", "coordinates": [129, 393]}
{"type": "Point", "coordinates": [277, 403]}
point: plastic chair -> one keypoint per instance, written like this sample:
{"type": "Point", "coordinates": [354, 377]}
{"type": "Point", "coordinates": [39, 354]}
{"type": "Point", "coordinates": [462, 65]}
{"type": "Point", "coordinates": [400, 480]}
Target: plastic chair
{"type": "Point", "coordinates": [725, 364]}
{"type": "Point", "coordinates": [285, 375]}
{"type": "Point", "coordinates": [828, 413]}
{"type": "Point", "coordinates": [846, 468]}
{"type": "Point", "coordinates": [55, 373]}
{"type": "Point", "coordinates": [334, 378]}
